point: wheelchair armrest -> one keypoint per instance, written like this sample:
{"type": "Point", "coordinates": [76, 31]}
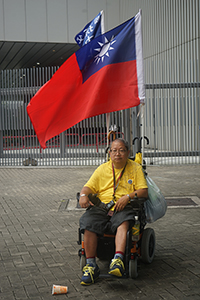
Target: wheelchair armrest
{"type": "Point", "coordinates": [79, 237]}
{"type": "Point", "coordinates": [137, 202]}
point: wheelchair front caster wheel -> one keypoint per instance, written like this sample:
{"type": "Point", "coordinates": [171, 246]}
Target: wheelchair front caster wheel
{"type": "Point", "coordinates": [82, 262]}
{"type": "Point", "coordinates": [133, 268]}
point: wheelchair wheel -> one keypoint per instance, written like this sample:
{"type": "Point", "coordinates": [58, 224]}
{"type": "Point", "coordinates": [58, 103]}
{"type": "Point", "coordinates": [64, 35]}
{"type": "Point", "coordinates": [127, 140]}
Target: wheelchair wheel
{"type": "Point", "coordinates": [148, 245]}
{"type": "Point", "coordinates": [133, 268]}
{"type": "Point", "coordinates": [82, 262]}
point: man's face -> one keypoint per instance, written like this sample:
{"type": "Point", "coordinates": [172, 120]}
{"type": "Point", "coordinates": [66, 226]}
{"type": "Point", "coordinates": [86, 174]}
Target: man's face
{"type": "Point", "coordinates": [119, 153]}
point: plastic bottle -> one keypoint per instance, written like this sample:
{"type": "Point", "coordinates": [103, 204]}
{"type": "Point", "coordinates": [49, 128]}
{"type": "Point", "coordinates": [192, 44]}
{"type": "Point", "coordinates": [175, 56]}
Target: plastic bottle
{"type": "Point", "coordinates": [136, 230]}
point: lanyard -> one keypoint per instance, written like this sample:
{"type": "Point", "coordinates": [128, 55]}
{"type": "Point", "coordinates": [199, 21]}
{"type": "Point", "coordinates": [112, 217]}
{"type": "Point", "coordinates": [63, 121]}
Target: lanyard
{"type": "Point", "coordinates": [115, 184]}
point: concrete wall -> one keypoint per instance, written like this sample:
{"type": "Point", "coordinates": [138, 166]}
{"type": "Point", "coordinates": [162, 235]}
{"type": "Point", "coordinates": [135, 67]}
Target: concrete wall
{"type": "Point", "coordinates": [52, 20]}
{"type": "Point", "coordinates": [170, 28]}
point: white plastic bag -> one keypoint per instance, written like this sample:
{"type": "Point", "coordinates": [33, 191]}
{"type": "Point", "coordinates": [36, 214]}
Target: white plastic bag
{"type": "Point", "coordinates": [156, 205]}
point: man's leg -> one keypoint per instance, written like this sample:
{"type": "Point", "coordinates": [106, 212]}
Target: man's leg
{"type": "Point", "coordinates": [117, 265]}
{"type": "Point", "coordinates": [93, 219]}
{"type": "Point", "coordinates": [90, 240]}
{"type": "Point", "coordinates": [120, 238]}
{"type": "Point", "coordinates": [90, 243]}
{"type": "Point", "coordinates": [91, 270]}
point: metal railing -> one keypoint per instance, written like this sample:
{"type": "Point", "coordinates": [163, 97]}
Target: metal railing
{"type": "Point", "coordinates": [171, 123]}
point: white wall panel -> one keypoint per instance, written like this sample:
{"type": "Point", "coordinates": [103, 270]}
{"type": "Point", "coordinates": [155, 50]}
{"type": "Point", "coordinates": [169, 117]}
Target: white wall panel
{"type": "Point", "coordinates": [94, 7]}
{"type": "Point", "coordinates": [77, 15]}
{"type": "Point", "coordinates": [112, 14]}
{"type": "Point", "coordinates": [2, 36]}
{"type": "Point", "coordinates": [14, 20]}
{"type": "Point", "coordinates": [36, 18]}
{"type": "Point", "coordinates": [81, 12]}
{"type": "Point", "coordinates": [128, 9]}
{"type": "Point", "coordinates": [57, 21]}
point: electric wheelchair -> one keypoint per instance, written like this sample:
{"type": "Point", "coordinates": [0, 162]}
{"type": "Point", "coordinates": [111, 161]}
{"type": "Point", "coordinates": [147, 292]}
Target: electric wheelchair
{"type": "Point", "coordinates": [143, 248]}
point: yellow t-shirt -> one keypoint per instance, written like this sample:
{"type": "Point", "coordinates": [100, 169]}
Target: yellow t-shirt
{"type": "Point", "coordinates": [101, 182]}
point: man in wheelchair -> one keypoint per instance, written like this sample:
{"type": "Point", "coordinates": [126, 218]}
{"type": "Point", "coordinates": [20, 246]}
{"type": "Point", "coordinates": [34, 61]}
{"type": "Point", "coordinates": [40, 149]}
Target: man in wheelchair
{"type": "Point", "coordinates": [118, 181]}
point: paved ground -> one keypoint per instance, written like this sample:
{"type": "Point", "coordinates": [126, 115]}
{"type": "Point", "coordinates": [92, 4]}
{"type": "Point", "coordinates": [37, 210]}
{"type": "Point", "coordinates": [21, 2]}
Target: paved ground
{"type": "Point", "coordinates": [38, 240]}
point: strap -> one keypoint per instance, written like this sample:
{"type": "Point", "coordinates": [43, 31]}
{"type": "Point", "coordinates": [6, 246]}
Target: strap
{"type": "Point", "coordinates": [116, 184]}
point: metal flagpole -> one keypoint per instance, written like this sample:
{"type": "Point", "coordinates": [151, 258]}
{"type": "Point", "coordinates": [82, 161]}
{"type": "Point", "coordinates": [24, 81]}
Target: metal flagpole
{"type": "Point", "coordinates": [142, 96]}
{"type": "Point", "coordinates": [142, 131]}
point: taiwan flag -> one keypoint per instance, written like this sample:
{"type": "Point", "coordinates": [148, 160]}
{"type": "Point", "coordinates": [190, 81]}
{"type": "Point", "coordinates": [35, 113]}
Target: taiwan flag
{"type": "Point", "coordinates": [103, 76]}
{"type": "Point", "coordinates": [93, 29]}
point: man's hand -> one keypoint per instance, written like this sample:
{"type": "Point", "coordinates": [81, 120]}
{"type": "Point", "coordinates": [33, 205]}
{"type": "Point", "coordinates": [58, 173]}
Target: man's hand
{"type": "Point", "coordinates": [84, 201]}
{"type": "Point", "coordinates": [121, 203]}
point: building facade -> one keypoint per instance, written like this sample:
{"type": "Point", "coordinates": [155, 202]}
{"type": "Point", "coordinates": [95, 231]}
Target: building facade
{"type": "Point", "coordinates": [40, 34]}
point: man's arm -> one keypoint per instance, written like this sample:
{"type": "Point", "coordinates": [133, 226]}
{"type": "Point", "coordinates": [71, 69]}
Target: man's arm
{"type": "Point", "coordinates": [84, 200]}
{"type": "Point", "coordinates": [141, 193]}
{"type": "Point", "coordinates": [123, 201]}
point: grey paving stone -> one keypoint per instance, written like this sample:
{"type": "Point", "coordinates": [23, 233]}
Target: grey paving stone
{"type": "Point", "coordinates": [39, 249]}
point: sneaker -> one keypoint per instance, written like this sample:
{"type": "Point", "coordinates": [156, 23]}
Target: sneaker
{"type": "Point", "coordinates": [90, 274]}
{"type": "Point", "coordinates": [116, 267]}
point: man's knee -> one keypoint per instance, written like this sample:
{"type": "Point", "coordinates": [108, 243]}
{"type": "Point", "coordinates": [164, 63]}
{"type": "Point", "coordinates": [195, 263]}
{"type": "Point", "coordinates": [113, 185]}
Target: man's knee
{"type": "Point", "coordinates": [123, 226]}
{"type": "Point", "coordinates": [89, 233]}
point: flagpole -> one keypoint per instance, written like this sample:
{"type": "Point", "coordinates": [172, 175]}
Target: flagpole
{"type": "Point", "coordinates": [142, 131]}
{"type": "Point", "coordinates": [131, 132]}
{"type": "Point", "coordinates": [142, 95]}
{"type": "Point", "coordinates": [107, 126]}
{"type": "Point", "coordinates": [107, 114]}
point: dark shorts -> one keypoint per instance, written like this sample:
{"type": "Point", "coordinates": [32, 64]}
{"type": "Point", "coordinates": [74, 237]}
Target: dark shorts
{"type": "Point", "coordinates": [97, 220]}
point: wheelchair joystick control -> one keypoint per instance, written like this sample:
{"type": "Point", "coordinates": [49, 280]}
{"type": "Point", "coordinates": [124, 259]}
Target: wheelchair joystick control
{"type": "Point", "coordinates": [94, 199]}
{"type": "Point", "coordinates": [97, 202]}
